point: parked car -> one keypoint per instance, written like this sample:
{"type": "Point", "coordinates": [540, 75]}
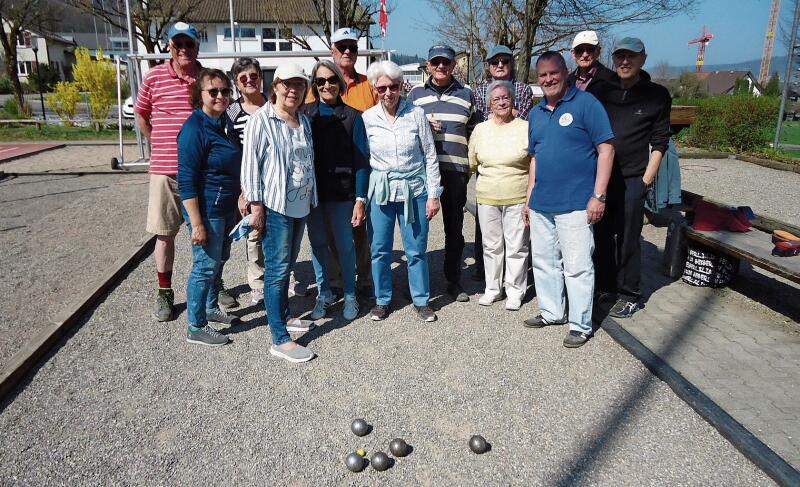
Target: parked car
{"type": "Point", "coordinates": [127, 108]}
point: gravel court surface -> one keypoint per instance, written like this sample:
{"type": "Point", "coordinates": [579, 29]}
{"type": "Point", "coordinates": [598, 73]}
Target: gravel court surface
{"type": "Point", "coordinates": [60, 232]}
{"type": "Point", "coordinates": [126, 401]}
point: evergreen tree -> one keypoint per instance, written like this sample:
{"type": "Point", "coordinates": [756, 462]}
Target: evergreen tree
{"type": "Point", "coordinates": [773, 87]}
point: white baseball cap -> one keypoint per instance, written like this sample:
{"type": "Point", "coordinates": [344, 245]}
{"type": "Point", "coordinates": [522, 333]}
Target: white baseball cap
{"type": "Point", "coordinates": [288, 71]}
{"type": "Point", "coordinates": [345, 34]}
{"type": "Point", "coordinates": [585, 37]}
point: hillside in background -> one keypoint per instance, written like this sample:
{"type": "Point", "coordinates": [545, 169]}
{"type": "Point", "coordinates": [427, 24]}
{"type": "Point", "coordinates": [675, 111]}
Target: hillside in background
{"type": "Point", "coordinates": [754, 66]}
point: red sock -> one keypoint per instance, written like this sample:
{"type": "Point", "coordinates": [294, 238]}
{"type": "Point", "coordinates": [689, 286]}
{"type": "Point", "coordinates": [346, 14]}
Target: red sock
{"type": "Point", "coordinates": [165, 279]}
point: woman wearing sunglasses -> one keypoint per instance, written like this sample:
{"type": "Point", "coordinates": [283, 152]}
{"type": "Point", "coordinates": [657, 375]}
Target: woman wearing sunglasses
{"type": "Point", "coordinates": [342, 171]}
{"type": "Point", "coordinates": [208, 183]}
{"type": "Point", "coordinates": [280, 189]}
{"type": "Point", "coordinates": [404, 186]}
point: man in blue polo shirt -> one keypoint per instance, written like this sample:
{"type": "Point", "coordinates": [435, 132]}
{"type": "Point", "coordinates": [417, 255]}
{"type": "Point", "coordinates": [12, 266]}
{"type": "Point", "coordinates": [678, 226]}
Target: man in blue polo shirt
{"type": "Point", "coordinates": [569, 140]}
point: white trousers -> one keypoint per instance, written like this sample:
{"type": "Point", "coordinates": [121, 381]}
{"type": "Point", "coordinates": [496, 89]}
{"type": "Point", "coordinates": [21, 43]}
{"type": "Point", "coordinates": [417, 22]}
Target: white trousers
{"type": "Point", "coordinates": [505, 246]}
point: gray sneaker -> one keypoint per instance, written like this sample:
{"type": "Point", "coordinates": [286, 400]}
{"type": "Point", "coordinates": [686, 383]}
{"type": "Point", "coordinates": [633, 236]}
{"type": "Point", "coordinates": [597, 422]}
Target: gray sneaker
{"type": "Point", "coordinates": [295, 355]}
{"type": "Point", "coordinates": [425, 313]}
{"type": "Point", "coordinates": [321, 307]}
{"type": "Point", "coordinates": [350, 311]}
{"type": "Point", "coordinates": [224, 298]}
{"type": "Point", "coordinates": [256, 296]}
{"type": "Point", "coordinates": [220, 316]}
{"type": "Point", "coordinates": [296, 324]}
{"type": "Point", "coordinates": [575, 339]}
{"type": "Point", "coordinates": [165, 301]}
{"type": "Point", "coordinates": [207, 336]}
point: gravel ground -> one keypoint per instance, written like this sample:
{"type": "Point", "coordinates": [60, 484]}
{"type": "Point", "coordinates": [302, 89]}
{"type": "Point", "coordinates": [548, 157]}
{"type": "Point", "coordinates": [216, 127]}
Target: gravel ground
{"type": "Point", "coordinates": [60, 232]}
{"type": "Point", "coordinates": [768, 192]}
{"type": "Point", "coordinates": [126, 401]}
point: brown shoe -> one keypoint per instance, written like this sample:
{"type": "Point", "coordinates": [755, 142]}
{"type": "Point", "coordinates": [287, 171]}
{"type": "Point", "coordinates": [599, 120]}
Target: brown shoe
{"type": "Point", "coordinates": [425, 313]}
{"type": "Point", "coordinates": [379, 312]}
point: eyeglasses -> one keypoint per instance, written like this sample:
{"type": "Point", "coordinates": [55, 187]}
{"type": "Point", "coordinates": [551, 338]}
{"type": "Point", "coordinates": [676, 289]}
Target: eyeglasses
{"type": "Point", "coordinates": [440, 61]}
{"type": "Point", "coordinates": [500, 60]}
{"type": "Point", "coordinates": [393, 88]}
{"type": "Point", "coordinates": [342, 48]}
{"type": "Point", "coordinates": [214, 92]}
{"type": "Point", "coordinates": [183, 44]}
{"type": "Point", "coordinates": [584, 49]}
{"type": "Point", "coordinates": [294, 85]}
{"type": "Point", "coordinates": [500, 99]}
{"type": "Point", "coordinates": [320, 82]}
{"type": "Point", "coordinates": [244, 77]}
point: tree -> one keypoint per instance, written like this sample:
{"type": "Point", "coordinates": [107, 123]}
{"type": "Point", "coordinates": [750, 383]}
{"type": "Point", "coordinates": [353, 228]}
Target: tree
{"type": "Point", "coordinates": [43, 78]}
{"type": "Point", "coordinates": [742, 87]}
{"type": "Point", "coordinates": [98, 77]}
{"type": "Point", "coordinates": [661, 71]}
{"type": "Point", "coordinates": [688, 85]}
{"type": "Point", "coordinates": [64, 101]}
{"type": "Point", "coordinates": [773, 87]}
{"type": "Point", "coordinates": [18, 18]}
{"type": "Point", "coordinates": [534, 26]}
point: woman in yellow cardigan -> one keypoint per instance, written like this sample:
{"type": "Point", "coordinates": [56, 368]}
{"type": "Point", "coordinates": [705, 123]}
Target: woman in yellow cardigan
{"type": "Point", "coordinates": [498, 151]}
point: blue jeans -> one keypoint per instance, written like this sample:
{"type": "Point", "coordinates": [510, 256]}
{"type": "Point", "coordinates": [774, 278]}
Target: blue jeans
{"type": "Point", "coordinates": [415, 245]}
{"type": "Point", "coordinates": [561, 251]}
{"type": "Point", "coordinates": [202, 286]}
{"type": "Point", "coordinates": [338, 214]}
{"type": "Point", "coordinates": [281, 244]}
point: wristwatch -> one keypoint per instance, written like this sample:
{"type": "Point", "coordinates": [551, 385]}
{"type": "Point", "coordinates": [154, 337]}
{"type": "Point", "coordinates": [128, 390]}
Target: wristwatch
{"type": "Point", "coordinates": [361, 199]}
{"type": "Point", "coordinates": [601, 197]}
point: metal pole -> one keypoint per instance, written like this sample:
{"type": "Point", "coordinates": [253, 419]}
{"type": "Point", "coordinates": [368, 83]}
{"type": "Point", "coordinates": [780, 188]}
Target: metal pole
{"type": "Point", "coordinates": [133, 75]}
{"type": "Point", "coordinates": [119, 110]}
{"type": "Point", "coordinates": [233, 35]}
{"type": "Point", "coordinates": [786, 81]}
{"type": "Point", "coordinates": [39, 76]}
{"type": "Point", "coordinates": [333, 22]}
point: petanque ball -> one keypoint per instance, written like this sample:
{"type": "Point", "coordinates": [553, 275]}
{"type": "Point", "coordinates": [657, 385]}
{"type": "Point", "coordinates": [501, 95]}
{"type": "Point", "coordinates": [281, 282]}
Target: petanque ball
{"type": "Point", "coordinates": [380, 461]}
{"type": "Point", "coordinates": [359, 427]}
{"type": "Point", "coordinates": [478, 444]}
{"type": "Point", "coordinates": [398, 447]}
{"type": "Point", "coordinates": [355, 462]}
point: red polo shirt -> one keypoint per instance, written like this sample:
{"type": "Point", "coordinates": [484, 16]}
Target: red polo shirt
{"type": "Point", "coordinates": [165, 99]}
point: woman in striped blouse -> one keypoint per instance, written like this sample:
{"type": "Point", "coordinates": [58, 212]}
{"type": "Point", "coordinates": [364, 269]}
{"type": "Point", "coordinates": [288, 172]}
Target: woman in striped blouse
{"type": "Point", "coordinates": [280, 188]}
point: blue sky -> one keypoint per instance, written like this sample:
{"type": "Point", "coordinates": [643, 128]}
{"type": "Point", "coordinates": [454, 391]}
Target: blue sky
{"type": "Point", "coordinates": [738, 27]}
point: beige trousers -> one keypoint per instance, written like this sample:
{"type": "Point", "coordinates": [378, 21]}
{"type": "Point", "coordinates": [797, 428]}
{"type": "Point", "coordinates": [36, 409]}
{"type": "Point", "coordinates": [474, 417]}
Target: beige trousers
{"type": "Point", "coordinates": [505, 247]}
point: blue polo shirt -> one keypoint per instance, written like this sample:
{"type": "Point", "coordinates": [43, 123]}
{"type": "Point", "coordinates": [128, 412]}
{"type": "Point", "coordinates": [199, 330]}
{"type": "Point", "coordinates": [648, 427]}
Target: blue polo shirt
{"type": "Point", "coordinates": [564, 142]}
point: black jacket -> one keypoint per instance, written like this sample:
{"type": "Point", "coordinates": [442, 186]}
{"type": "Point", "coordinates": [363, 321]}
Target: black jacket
{"type": "Point", "coordinates": [602, 74]}
{"type": "Point", "coordinates": [336, 159]}
{"type": "Point", "coordinates": [640, 120]}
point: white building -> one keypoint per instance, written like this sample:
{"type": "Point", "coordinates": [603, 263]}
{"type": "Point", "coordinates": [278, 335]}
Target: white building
{"type": "Point", "coordinates": [53, 50]}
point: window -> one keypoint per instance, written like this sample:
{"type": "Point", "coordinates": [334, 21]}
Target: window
{"type": "Point", "coordinates": [241, 33]}
{"type": "Point", "coordinates": [203, 35]}
{"type": "Point", "coordinates": [23, 39]}
{"type": "Point", "coordinates": [274, 39]}
{"type": "Point", "coordinates": [24, 67]}
{"type": "Point", "coordinates": [119, 44]}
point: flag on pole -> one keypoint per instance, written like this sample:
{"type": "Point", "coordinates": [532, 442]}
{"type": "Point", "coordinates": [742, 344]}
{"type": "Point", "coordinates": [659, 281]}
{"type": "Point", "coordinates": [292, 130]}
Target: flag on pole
{"type": "Point", "coordinates": [383, 18]}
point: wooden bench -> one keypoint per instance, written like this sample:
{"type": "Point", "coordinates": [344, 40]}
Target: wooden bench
{"type": "Point", "coordinates": [754, 246]}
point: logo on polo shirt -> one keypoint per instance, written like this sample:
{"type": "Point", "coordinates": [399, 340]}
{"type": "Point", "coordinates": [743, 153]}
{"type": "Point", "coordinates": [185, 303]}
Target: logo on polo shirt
{"type": "Point", "coordinates": [565, 119]}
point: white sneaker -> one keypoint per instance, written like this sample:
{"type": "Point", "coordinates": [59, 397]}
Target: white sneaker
{"type": "Point", "coordinates": [513, 304]}
{"type": "Point", "coordinates": [296, 324]}
{"type": "Point", "coordinates": [256, 295]}
{"type": "Point", "coordinates": [321, 307]}
{"type": "Point", "coordinates": [350, 308]}
{"type": "Point", "coordinates": [296, 288]}
{"type": "Point", "coordinates": [488, 299]}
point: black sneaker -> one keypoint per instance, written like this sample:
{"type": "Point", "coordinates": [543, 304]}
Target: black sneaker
{"type": "Point", "coordinates": [379, 312]}
{"type": "Point", "coordinates": [165, 301]}
{"type": "Point", "coordinates": [425, 313]}
{"type": "Point", "coordinates": [224, 298]}
{"type": "Point", "coordinates": [624, 309]}
{"type": "Point", "coordinates": [575, 339]}
{"type": "Point", "coordinates": [207, 336]}
{"type": "Point", "coordinates": [455, 290]}
{"type": "Point", "coordinates": [539, 321]}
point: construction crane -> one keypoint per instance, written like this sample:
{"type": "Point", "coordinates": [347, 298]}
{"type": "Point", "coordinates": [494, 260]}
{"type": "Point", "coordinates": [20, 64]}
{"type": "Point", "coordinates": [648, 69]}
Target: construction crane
{"type": "Point", "coordinates": [702, 41]}
{"type": "Point", "coordinates": [769, 43]}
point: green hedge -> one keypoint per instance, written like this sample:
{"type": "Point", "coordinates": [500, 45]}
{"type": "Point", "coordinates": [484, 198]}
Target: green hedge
{"type": "Point", "coordinates": [738, 123]}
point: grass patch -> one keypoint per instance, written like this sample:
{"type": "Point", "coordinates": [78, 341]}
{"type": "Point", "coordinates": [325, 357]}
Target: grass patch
{"type": "Point", "coordinates": [790, 133]}
{"type": "Point", "coordinates": [29, 133]}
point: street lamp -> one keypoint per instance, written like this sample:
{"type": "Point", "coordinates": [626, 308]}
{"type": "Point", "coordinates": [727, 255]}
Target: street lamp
{"type": "Point", "coordinates": [35, 42]}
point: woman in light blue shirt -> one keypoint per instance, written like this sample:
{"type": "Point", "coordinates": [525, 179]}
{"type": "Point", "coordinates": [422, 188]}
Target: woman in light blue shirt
{"type": "Point", "coordinates": [404, 186]}
{"type": "Point", "coordinates": [280, 188]}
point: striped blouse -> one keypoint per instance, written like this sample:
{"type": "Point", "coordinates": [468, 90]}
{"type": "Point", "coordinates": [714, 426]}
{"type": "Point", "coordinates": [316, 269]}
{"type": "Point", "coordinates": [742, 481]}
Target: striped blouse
{"type": "Point", "coordinates": [267, 159]}
{"type": "Point", "coordinates": [236, 120]}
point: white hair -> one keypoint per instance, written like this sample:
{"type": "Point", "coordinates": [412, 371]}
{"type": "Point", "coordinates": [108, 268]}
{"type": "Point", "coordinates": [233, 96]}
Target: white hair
{"type": "Point", "coordinates": [380, 69]}
{"type": "Point", "coordinates": [498, 83]}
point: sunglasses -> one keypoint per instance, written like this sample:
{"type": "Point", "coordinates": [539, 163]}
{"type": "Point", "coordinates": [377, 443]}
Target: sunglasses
{"type": "Point", "coordinates": [214, 92]}
{"type": "Point", "coordinates": [584, 49]}
{"type": "Point", "coordinates": [244, 78]}
{"type": "Point", "coordinates": [497, 61]}
{"type": "Point", "coordinates": [440, 61]}
{"type": "Point", "coordinates": [393, 88]}
{"type": "Point", "coordinates": [183, 44]}
{"type": "Point", "coordinates": [320, 82]}
{"type": "Point", "coordinates": [342, 48]}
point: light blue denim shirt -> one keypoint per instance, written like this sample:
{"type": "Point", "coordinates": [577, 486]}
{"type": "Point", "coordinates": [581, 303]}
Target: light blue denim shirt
{"type": "Point", "coordinates": [399, 151]}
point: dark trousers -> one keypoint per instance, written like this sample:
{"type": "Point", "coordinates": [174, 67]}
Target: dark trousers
{"type": "Point", "coordinates": [617, 240]}
{"type": "Point", "coordinates": [453, 199]}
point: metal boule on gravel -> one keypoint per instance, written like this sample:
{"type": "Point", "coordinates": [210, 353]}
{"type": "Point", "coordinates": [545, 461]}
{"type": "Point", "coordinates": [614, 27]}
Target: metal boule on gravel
{"type": "Point", "coordinates": [355, 462]}
{"type": "Point", "coordinates": [398, 447]}
{"type": "Point", "coordinates": [478, 444]}
{"type": "Point", "coordinates": [360, 427]}
{"type": "Point", "coordinates": [380, 461]}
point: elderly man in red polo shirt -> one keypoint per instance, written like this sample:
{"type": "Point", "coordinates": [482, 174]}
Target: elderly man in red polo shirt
{"type": "Point", "coordinates": [162, 105]}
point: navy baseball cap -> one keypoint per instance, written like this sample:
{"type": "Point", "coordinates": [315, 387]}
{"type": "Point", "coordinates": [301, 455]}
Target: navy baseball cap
{"type": "Point", "coordinates": [442, 51]}
{"type": "Point", "coordinates": [497, 50]}
{"type": "Point", "coordinates": [182, 29]}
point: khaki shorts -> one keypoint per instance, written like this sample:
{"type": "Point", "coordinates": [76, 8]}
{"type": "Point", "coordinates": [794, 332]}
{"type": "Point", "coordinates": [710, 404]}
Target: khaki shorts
{"type": "Point", "coordinates": [164, 206]}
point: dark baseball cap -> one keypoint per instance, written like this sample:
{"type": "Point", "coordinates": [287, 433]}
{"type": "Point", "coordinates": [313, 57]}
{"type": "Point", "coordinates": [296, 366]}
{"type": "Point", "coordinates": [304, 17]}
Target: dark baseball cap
{"type": "Point", "coordinates": [442, 51]}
